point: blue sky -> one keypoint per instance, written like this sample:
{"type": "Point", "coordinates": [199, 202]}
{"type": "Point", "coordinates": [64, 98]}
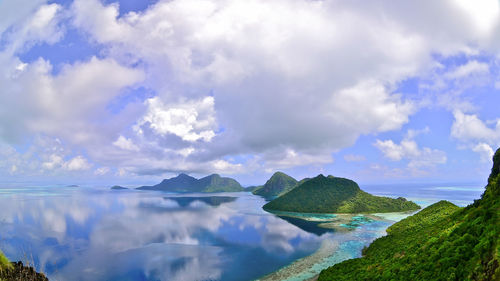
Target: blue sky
{"type": "Point", "coordinates": [130, 92]}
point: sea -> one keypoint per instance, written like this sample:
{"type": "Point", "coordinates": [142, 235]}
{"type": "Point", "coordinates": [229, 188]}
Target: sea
{"type": "Point", "coordinates": [94, 233]}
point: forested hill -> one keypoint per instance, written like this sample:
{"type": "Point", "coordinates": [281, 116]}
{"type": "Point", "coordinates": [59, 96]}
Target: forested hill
{"type": "Point", "coordinates": [278, 184]}
{"type": "Point", "coordinates": [186, 183]}
{"type": "Point", "coordinates": [335, 195]}
{"type": "Point", "coordinates": [442, 242]}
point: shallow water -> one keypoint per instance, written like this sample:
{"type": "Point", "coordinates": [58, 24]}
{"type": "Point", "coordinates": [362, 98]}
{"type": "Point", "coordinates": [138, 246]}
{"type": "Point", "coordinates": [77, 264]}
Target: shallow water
{"type": "Point", "coordinates": [78, 233]}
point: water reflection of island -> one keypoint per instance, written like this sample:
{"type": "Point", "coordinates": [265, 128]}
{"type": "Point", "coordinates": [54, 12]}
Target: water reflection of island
{"type": "Point", "coordinates": [309, 226]}
{"type": "Point", "coordinates": [209, 200]}
{"type": "Point", "coordinates": [322, 223]}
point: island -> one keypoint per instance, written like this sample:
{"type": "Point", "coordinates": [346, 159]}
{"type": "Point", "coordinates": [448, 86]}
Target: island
{"type": "Point", "coordinates": [186, 183]}
{"type": "Point", "coordinates": [336, 195]}
{"type": "Point", "coordinates": [117, 187]}
{"type": "Point", "coordinates": [279, 184]}
{"type": "Point", "coordinates": [441, 242]}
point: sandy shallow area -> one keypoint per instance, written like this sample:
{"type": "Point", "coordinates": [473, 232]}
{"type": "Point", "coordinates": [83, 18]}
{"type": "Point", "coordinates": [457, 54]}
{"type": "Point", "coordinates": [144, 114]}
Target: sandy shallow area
{"type": "Point", "coordinates": [357, 231]}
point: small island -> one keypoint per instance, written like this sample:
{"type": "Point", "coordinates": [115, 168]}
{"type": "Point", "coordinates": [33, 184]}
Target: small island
{"type": "Point", "coordinates": [336, 195]}
{"type": "Point", "coordinates": [186, 183]}
{"type": "Point", "coordinates": [279, 184]}
{"type": "Point", "coordinates": [117, 187]}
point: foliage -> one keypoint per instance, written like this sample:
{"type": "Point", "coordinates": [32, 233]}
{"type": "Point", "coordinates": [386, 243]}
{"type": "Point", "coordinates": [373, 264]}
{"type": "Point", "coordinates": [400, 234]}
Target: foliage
{"type": "Point", "coordinates": [278, 184]}
{"type": "Point", "coordinates": [4, 262]}
{"type": "Point", "coordinates": [442, 242]}
{"type": "Point", "coordinates": [335, 195]}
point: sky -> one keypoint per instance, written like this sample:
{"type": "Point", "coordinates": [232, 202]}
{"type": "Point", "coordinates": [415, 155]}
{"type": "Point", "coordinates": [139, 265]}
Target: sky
{"type": "Point", "coordinates": [132, 92]}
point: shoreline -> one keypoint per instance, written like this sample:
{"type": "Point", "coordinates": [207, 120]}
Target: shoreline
{"type": "Point", "coordinates": [333, 251]}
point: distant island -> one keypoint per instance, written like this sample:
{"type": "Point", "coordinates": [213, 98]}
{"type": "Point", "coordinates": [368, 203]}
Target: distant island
{"type": "Point", "coordinates": [277, 185]}
{"type": "Point", "coordinates": [335, 195]}
{"type": "Point", "coordinates": [441, 242]}
{"type": "Point", "coordinates": [117, 187]}
{"type": "Point", "coordinates": [186, 183]}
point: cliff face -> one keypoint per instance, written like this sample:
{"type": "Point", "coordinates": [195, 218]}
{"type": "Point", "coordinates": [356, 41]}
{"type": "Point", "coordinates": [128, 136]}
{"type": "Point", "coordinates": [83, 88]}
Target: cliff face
{"type": "Point", "coordinates": [442, 242]}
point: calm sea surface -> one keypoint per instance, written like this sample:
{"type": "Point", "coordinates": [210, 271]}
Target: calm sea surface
{"type": "Point", "coordinates": [78, 233]}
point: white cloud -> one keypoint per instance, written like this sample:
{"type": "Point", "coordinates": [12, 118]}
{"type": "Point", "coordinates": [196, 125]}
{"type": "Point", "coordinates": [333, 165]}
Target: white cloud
{"type": "Point", "coordinates": [408, 149]}
{"type": "Point", "coordinates": [102, 171]}
{"type": "Point", "coordinates": [124, 143]}
{"type": "Point", "coordinates": [77, 164]}
{"type": "Point", "coordinates": [468, 127]}
{"type": "Point", "coordinates": [476, 134]}
{"type": "Point", "coordinates": [472, 67]}
{"type": "Point", "coordinates": [54, 161]}
{"type": "Point", "coordinates": [190, 120]}
{"type": "Point", "coordinates": [485, 151]}
{"type": "Point", "coordinates": [302, 83]}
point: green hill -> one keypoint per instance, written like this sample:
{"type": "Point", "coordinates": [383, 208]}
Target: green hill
{"type": "Point", "coordinates": [216, 183]}
{"type": "Point", "coordinates": [278, 184]}
{"type": "Point", "coordinates": [442, 242]}
{"type": "Point", "coordinates": [335, 195]}
{"type": "Point", "coordinates": [186, 183]}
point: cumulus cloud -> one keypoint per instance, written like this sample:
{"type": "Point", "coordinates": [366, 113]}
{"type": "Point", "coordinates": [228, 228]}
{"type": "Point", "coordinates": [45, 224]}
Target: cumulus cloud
{"type": "Point", "coordinates": [468, 127]}
{"type": "Point", "coordinates": [233, 78]}
{"type": "Point", "coordinates": [190, 120]}
{"type": "Point", "coordinates": [124, 143]}
{"type": "Point", "coordinates": [408, 149]}
{"type": "Point", "coordinates": [479, 136]}
{"type": "Point", "coordinates": [77, 164]}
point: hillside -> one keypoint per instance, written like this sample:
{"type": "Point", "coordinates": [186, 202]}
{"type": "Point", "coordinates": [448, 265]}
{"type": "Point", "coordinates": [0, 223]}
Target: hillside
{"type": "Point", "coordinates": [442, 242]}
{"type": "Point", "coordinates": [278, 184]}
{"type": "Point", "coordinates": [186, 183]}
{"type": "Point", "coordinates": [17, 271]}
{"type": "Point", "coordinates": [336, 195]}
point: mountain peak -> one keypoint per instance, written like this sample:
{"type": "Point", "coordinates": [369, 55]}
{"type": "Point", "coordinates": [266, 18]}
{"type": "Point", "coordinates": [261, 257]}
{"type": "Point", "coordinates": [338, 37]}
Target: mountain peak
{"type": "Point", "coordinates": [279, 183]}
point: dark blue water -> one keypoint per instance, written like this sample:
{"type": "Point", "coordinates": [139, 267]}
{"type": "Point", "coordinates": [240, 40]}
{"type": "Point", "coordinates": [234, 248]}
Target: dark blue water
{"type": "Point", "coordinates": [91, 234]}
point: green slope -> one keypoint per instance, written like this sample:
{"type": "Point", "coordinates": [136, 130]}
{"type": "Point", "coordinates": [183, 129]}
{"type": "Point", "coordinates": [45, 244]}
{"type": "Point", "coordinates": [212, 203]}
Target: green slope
{"type": "Point", "coordinates": [278, 184]}
{"type": "Point", "coordinates": [442, 242]}
{"type": "Point", "coordinates": [216, 183]}
{"type": "Point", "coordinates": [335, 195]}
{"type": "Point", "coordinates": [4, 262]}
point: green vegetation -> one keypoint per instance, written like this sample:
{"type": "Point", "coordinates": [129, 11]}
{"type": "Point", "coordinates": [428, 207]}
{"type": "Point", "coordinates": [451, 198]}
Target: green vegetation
{"type": "Point", "coordinates": [277, 185]}
{"type": "Point", "coordinates": [216, 183]}
{"type": "Point", "coordinates": [442, 242]}
{"type": "Point", "coordinates": [4, 262]}
{"type": "Point", "coordinates": [185, 183]}
{"type": "Point", "coordinates": [336, 195]}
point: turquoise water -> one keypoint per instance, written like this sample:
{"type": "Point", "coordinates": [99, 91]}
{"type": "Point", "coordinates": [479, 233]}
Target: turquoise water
{"type": "Point", "coordinates": [78, 233]}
